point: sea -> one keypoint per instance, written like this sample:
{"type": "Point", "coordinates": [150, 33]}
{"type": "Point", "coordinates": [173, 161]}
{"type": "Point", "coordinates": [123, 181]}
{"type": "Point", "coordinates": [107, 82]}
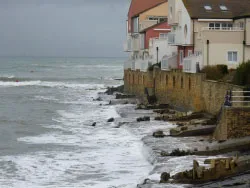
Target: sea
{"type": "Point", "coordinates": [47, 107]}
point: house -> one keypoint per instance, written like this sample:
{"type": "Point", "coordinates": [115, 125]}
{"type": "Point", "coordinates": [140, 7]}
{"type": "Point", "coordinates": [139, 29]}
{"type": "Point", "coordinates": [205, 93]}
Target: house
{"type": "Point", "coordinates": [210, 32]}
{"type": "Point", "coordinates": [146, 28]}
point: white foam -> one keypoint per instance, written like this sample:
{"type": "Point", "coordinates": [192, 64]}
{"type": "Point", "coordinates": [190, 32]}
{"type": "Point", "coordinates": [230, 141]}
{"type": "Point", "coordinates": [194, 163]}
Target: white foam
{"type": "Point", "coordinates": [16, 84]}
{"type": "Point", "coordinates": [52, 84]}
{"type": "Point", "coordinates": [102, 156]}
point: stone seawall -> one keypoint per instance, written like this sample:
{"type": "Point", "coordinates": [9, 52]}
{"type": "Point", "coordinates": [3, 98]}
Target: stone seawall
{"type": "Point", "coordinates": [234, 123]}
{"type": "Point", "coordinates": [184, 90]}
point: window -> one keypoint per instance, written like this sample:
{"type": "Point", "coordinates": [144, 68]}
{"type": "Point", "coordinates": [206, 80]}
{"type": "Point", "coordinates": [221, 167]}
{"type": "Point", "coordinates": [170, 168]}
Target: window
{"type": "Point", "coordinates": [190, 52]}
{"type": "Point", "coordinates": [207, 7]}
{"type": "Point", "coordinates": [232, 56]}
{"type": "Point", "coordinates": [223, 8]}
{"type": "Point", "coordinates": [181, 57]}
{"type": "Point", "coordinates": [211, 25]}
{"type": "Point", "coordinates": [163, 35]}
{"type": "Point", "coordinates": [218, 25]}
{"type": "Point", "coordinates": [159, 19]}
{"type": "Point", "coordinates": [135, 24]}
{"type": "Point", "coordinates": [241, 24]}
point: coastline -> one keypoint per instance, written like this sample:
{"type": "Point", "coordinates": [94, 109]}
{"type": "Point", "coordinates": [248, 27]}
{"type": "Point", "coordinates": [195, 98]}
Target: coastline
{"type": "Point", "coordinates": [152, 147]}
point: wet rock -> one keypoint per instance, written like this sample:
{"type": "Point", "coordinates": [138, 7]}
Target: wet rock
{"type": "Point", "coordinates": [180, 124]}
{"type": "Point", "coordinates": [145, 118]}
{"type": "Point", "coordinates": [184, 128]}
{"type": "Point", "coordinates": [93, 124]}
{"type": "Point", "coordinates": [174, 131]}
{"type": "Point", "coordinates": [158, 134]}
{"type": "Point", "coordinates": [111, 90]}
{"type": "Point", "coordinates": [165, 177]}
{"type": "Point", "coordinates": [164, 154]}
{"type": "Point", "coordinates": [98, 99]}
{"type": "Point", "coordinates": [140, 107]}
{"type": "Point", "coordinates": [162, 111]}
{"type": "Point", "coordinates": [123, 96]}
{"type": "Point", "coordinates": [111, 120]}
{"type": "Point", "coordinates": [177, 152]}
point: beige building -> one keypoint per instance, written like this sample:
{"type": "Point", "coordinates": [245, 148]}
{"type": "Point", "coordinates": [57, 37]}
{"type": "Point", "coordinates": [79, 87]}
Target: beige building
{"type": "Point", "coordinates": [220, 31]}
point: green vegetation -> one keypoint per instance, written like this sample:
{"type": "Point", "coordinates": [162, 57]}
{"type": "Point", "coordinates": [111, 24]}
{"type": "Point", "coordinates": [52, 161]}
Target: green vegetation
{"type": "Point", "coordinates": [242, 74]}
{"type": "Point", "coordinates": [216, 72]}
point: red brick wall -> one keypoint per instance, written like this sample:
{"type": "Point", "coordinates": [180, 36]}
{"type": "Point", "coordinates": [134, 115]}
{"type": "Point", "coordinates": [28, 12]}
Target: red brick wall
{"type": "Point", "coordinates": [152, 33]}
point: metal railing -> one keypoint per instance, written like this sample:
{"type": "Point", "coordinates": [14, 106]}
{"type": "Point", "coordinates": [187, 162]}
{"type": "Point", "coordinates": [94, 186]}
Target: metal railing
{"type": "Point", "coordinates": [146, 24]}
{"type": "Point", "coordinates": [237, 98]}
{"type": "Point", "coordinates": [222, 29]}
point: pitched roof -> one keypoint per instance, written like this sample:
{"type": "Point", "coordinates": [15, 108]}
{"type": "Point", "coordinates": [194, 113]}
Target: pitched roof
{"type": "Point", "coordinates": [139, 6]}
{"type": "Point", "coordinates": [235, 8]}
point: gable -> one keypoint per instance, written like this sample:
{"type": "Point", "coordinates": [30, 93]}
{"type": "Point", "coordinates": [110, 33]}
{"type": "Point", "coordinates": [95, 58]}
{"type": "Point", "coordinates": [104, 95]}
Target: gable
{"type": "Point", "coordinates": [139, 6]}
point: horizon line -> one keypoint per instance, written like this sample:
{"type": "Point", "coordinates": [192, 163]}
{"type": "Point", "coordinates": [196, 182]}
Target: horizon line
{"type": "Point", "coordinates": [15, 56]}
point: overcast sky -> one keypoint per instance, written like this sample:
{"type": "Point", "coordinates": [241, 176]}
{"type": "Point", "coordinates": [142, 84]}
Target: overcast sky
{"type": "Point", "coordinates": [81, 28]}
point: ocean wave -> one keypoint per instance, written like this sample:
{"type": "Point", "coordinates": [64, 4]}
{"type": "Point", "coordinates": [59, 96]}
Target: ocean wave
{"type": "Point", "coordinates": [18, 83]}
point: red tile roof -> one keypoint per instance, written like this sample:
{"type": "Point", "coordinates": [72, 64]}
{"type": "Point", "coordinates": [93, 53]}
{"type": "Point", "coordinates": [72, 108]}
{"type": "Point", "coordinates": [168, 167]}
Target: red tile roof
{"type": "Point", "coordinates": [139, 6]}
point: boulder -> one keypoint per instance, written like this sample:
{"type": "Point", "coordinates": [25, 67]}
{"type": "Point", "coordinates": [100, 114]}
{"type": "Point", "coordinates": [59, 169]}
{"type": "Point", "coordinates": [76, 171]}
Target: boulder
{"type": "Point", "coordinates": [165, 177]}
{"type": "Point", "coordinates": [159, 134]}
{"type": "Point", "coordinates": [111, 120]}
{"type": "Point", "coordinates": [178, 152]}
{"type": "Point", "coordinates": [145, 118]}
{"type": "Point", "coordinates": [98, 99]}
{"type": "Point", "coordinates": [93, 124]}
{"type": "Point", "coordinates": [123, 96]}
{"type": "Point", "coordinates": [111, 90]}
{"type": "Point", "coordinates": [164, 154]}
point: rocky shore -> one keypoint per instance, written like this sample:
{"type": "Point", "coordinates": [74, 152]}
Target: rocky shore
{"type": "Point", "coordinates": [178, 142]}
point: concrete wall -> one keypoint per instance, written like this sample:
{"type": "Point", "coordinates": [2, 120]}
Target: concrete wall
{"type": "Point", "coordinates": [234, 123]}
{"type": "Point", "coordinates": [185, 90]}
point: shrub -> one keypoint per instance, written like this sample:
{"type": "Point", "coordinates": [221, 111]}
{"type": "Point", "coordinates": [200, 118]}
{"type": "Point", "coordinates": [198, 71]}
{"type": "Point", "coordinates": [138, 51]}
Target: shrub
{"type": "Point", "coordinates": [216, 72]}
{"type": "Point", "coordinates": [151, 68]}
{"type": "Point", "coordinates": [242, 75]}
{"type": "Point", "coordinates": [222, 68]}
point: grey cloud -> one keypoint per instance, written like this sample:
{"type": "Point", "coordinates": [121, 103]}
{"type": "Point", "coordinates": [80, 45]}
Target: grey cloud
{"type": "Point", "coordinates": [62, 27]}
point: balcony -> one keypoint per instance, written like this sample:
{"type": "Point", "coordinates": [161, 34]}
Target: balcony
{"type": "Point", "coordinates": [146, 24]}
{"type": "Point", "coordinates": [169, 62]}
{"type": "Point", "coordinates": [127, 46]}
{"type": "Point", "coordinates": [192, 64]}
{"type": "Point", "coordinates": [142, 65]}
{"type": "Point", "coordinates": [222, 29]}
{"type": "Point", "coordinates": [175, 38]}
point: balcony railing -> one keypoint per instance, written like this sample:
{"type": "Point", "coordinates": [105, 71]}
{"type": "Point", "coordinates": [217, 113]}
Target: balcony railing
{"type": "Point", "coordinates": [169, 62]}
{"type": "Point", "coordinates": [192, 64]}
{"type": "Point", "coordinates": [171, 38]}
{"type": "Point", "coordinates": [146, 24]}
{"type": "Point", "coordinates": [127, 46]}
{"type": "Point", "coordinates": [222, 29]}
